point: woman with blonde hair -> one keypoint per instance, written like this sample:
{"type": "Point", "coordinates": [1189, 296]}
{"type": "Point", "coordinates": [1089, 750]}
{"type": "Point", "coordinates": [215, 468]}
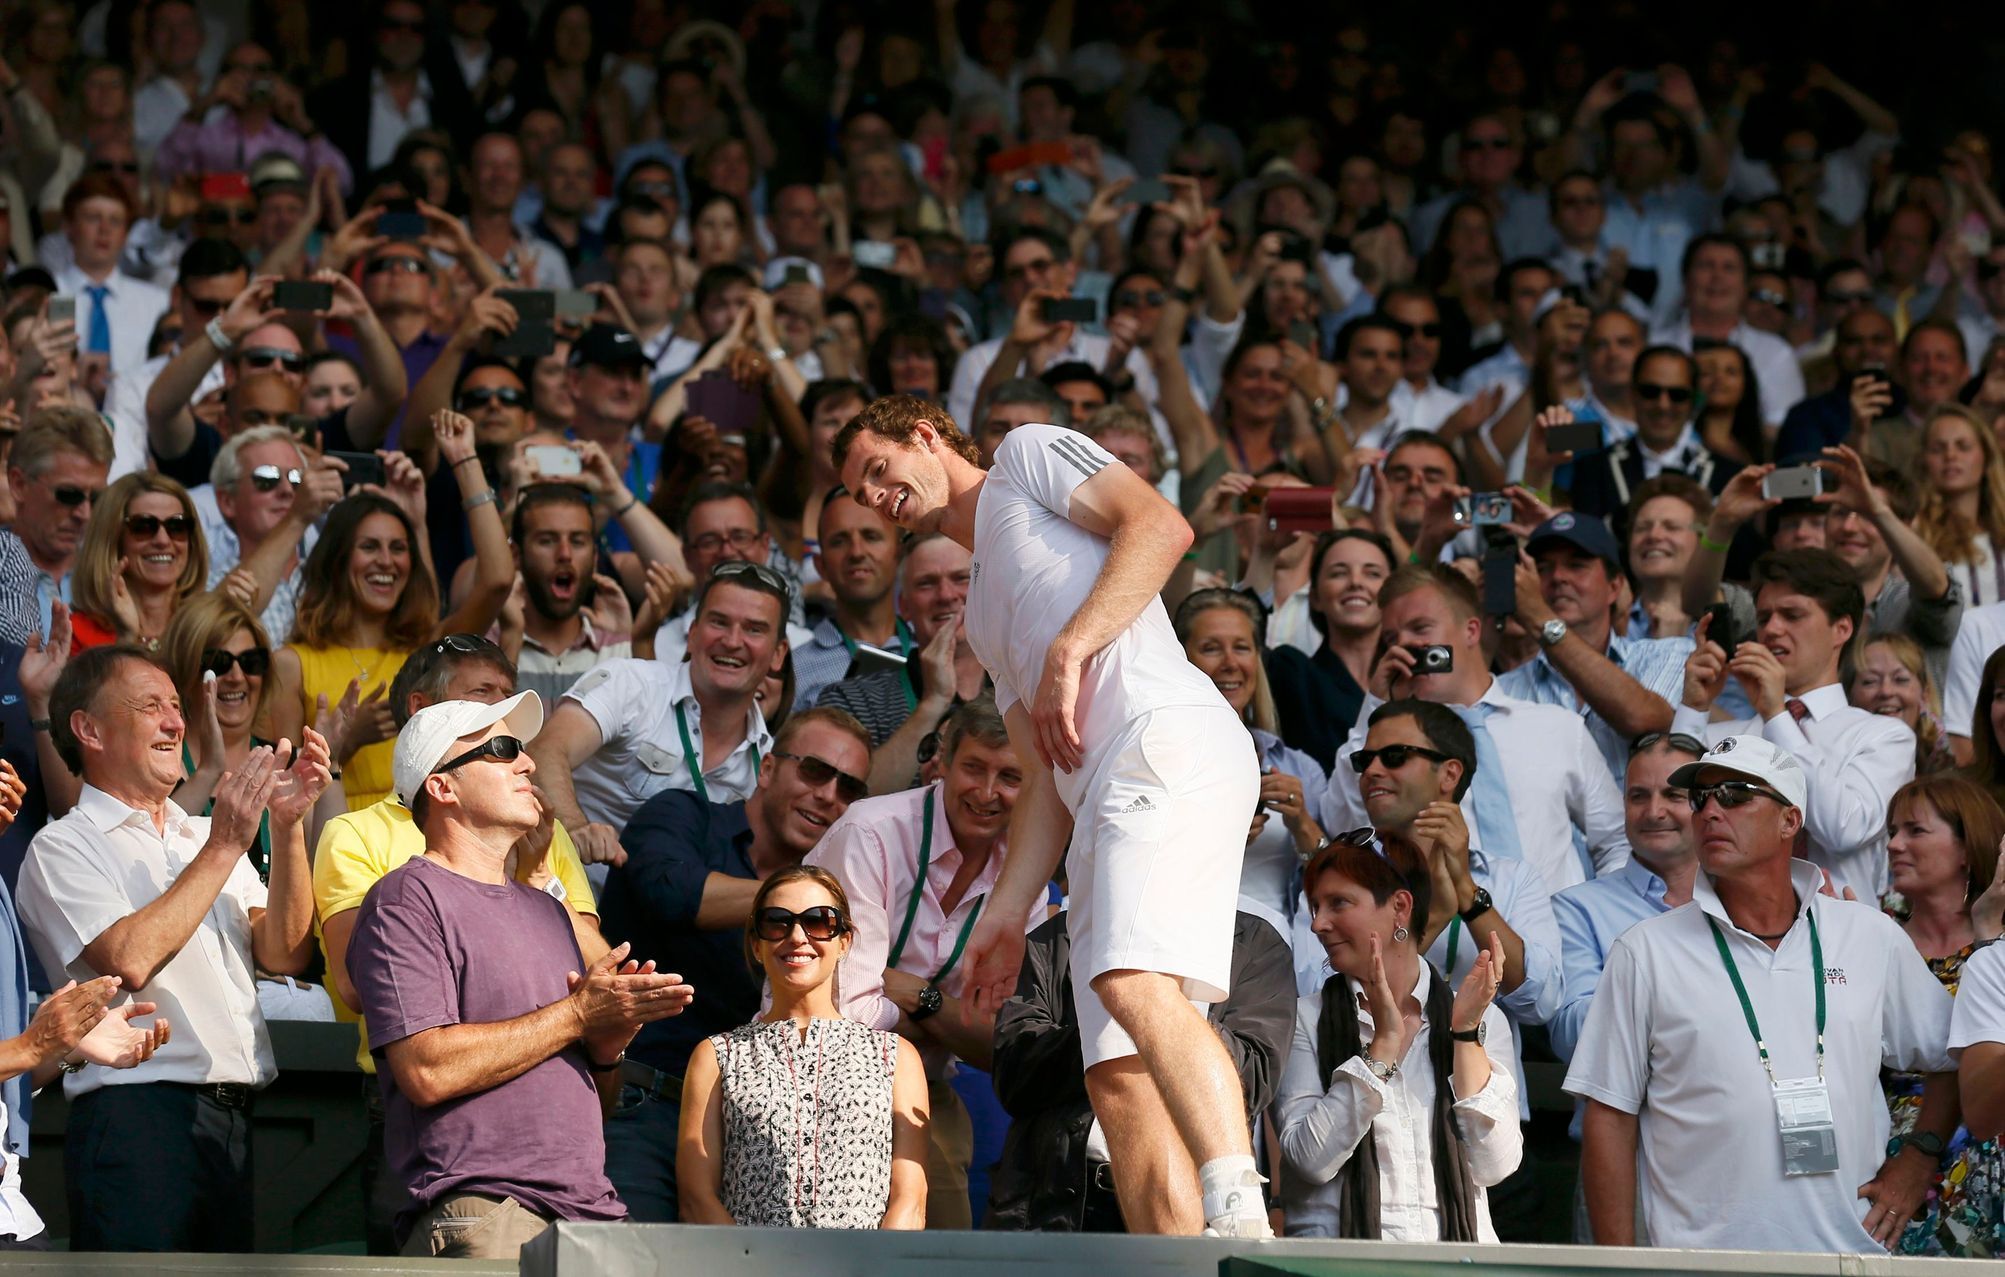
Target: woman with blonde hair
{"type": "Point", "coordinates": [143, 555]}
{"type": "Point", "coordinates": [219, 656]}
{"type": "Point", "coordinates": [803, 1119]}
{"type": "Point", "coordinates": [1892, 678]}
{"type": "Point", "coordinates": [1962, 515]}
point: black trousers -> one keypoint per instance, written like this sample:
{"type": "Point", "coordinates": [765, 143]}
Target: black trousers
{"type": "Point", "coordinates": [383, 1196]}
{"type": "Point", "coordinates": [158, 1167]}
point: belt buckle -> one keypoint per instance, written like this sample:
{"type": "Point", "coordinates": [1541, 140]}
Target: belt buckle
{"type": "Point", "coordinates": [232, 1095]}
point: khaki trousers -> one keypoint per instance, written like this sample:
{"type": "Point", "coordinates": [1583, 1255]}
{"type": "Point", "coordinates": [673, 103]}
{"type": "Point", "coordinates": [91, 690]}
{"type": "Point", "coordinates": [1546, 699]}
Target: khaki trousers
{"type": "Point", "coordinates": [470, 1226]}
{"type": "Point", "coordinates": [950, 1146]}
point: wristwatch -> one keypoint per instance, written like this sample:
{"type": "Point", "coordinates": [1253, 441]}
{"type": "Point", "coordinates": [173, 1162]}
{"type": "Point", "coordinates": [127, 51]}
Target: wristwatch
{"type": "Point", "coordinates": [1930, 1144]}
{"type": "Point", "coordinates": [1552, 632]}
{"type": "Point", "coordinates": [1478, 1035]}
{"type": "Point", "coordinates": [929, 1004]}
{"type": "Point", "coordinates": [607, 1067]}
{"type": "Point", "coordinates": [1383, 1072]}
{"type": "Point", "coordinates": [1479, 904]}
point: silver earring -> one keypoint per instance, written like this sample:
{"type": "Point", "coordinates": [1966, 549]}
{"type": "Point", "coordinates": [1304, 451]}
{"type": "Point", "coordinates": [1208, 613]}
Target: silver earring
{"type": "Point", "coordinates": [1399, 935]}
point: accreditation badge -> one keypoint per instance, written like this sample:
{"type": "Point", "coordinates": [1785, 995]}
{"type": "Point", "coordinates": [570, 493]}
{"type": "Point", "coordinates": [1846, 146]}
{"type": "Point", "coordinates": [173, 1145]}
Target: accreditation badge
{"type": "Point", "coordinates": [1809, 1136]}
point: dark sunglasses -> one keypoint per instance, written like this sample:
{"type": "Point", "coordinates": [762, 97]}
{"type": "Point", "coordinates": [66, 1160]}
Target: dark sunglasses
{"type": "Point", "coordinates": [1128, 297]}
{"type": "Point", "coordinates": [502, 749]}
{"type": "Point", "coordinates": [266, 356]}
{"type": "Point", "coordinates": [265, 478]}
{"type": "Point", "coordinates": [255, 663]}
{"type": "Point", "coordinates": [1731, 793]}
{"type": "Point", "coordinates": [204, 306]}
{"type": "Point", "coordinates": [397, 262]}
{"type": "Point", "coordinates": [1768, 297]}
{"type": "Point", "coordinates": [1367, 839]}
{"type": "Point", "coordinates": [114, 166]}
{"type": "Point", "coordinates": [1676, 394]}
{"type": "Point", "coordinates": [224, 216]}
{"type": "Point", "coordinates": [1429, 331]}
{"type": "Point", "coordinates": [1395, 757]}
{"type": "Point", "coordinates": [818, 773]}
{"type": "Point", "coordinates": [1860, 299]}
{"type": "Point", "coordinates": [74, 497]}
{"type": "Point", "coordinates": [506, 396]}
{"type": "Point", "coordinates": [144, 526]}
{"type": "Point", "coordinates": [823, 922]}
{"type": "Point", "coordinates": [1201, 173]}
{"type": "Point", "coordinates": [1676, 740]}
{"type": "Point", "coordinates": [465, 645]}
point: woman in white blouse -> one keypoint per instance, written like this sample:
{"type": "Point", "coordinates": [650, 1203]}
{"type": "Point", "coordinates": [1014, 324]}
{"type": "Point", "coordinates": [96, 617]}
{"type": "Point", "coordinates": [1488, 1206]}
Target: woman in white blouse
{"type": "Point", "coordinates": [1398, 1108]}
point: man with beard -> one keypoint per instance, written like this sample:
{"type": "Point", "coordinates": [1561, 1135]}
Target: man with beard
{"type": "Point", "coordinates": [858, 557]}
{"type": "Point", "coordinates": [918, 867]}
{"type": "Point", "coordinates": [681, 900]}
{"type": "Point", "coordinates": [556, 558]}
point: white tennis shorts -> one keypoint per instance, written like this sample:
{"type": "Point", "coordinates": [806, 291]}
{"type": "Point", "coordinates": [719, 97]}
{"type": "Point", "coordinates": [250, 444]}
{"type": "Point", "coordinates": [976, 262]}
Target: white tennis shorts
{"type": "Point", "coordinates": [1158, 839]}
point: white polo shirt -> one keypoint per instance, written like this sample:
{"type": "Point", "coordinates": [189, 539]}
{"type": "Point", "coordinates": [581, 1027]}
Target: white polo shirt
{"type": "Point", "coordinates": [635, 703]}
{"type": "Point", "coordinates": [1665, 1039]}
{"type": "Point", "coordinates": [1980, 999]}
{"type": "Point", "coordinates": [102, 863]}
{"type": "Point", "coordinates": [1978, 635]}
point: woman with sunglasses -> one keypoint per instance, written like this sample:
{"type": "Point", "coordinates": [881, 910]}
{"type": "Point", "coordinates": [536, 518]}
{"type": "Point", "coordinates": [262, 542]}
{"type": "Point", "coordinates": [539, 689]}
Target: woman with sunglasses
{"type": "Point", "coordinates": [1398, 1106]}
{"type": "Point", "coordinates": [218, 654]}
{"type": "Point", "coordinates": [803, 1119]}
{"type": "Point", "coordinates": [1962, 515]}
{"type": "Point", "coordinates": [1943, 835]}
{"type": "Point", "coordinates": [1223, 635]}
{"type": "Point", "coordinates": [143, 556]}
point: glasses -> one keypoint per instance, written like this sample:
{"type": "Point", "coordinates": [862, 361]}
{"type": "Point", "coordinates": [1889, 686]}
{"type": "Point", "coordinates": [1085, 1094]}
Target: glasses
{"type": "Point", "coordinates": [506, 396]}
{"type": "Point", "coordinates": [1675, 394]}
{"type": "Point", "coordinates": [464, 644]}
{"type": "Point", "coordinates": [816, 772]}
{"type": "Point", "coordinates": [266, 478]}
{"type": "Point", "coordinates": [1768, 297]}
{"type": "Point", "coordinates": [1679, 741]}
{"type": "Point", "coordinates": [146, 526]}
{"type": "Point", "coordinates": [823, 922]}
{"type": "Point", "coordinates": [654, 190]}
{"type": "Point", "coordinates": [115, 166]}
{"type": "Point", "coordinates": [737, 539]}
{"type": "Point", "coordinates": [266, 356]}
{"type": "Point", "coordinates": [203, 305]}
{"type": "Point", "coordinates": [1731, 794]}
{"type": "Point", "coordinates": [396, 262]}
{"type": "Point", "coordinates": [1129, 298]}
{"type": "Point", "coordinates": [224, 216]}
{"type": "Point", "coordinates": [502, 749]}
{"type": "Point", "coordinates": [255, 663]}
{"type": "Point", "coordinates": [1395, 757]}
{"type": "Point", "coordinates": [1407, 330]}
{"type": "Point", "coordinates": [1486, 144]}
{"type": "Point", "coordinates": [74, 497]}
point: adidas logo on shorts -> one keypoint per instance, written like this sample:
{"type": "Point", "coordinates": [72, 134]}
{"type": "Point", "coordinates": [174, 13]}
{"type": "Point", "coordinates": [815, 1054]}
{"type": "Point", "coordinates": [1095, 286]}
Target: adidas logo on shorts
{"type": "Point", "coordinates": [1141, 803]}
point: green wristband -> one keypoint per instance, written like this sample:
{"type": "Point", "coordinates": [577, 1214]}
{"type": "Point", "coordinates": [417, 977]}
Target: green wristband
{"type": "Point", "coordinates": [1707, 543]}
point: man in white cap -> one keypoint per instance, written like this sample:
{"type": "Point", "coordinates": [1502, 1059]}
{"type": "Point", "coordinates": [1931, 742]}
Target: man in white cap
{"type": "Point", "coordinates": [497, 1055]}
{"type": "Point", "coordinates": [1763, 1130]}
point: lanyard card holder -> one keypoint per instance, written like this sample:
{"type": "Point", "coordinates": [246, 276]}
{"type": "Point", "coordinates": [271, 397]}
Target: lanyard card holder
{"type": "Point", "coordinates": [1809, 1136]}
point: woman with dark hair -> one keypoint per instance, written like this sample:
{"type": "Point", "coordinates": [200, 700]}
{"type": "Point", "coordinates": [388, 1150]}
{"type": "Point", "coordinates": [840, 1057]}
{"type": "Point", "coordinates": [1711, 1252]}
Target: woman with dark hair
{"type": "Point", "coordinates": [1730, 421]}
{"type": "Point", "coordinates": [721, 231]}
{"type": "Point", "coordinates": [1317, 698]}
{"type": "Point", "coordinates": [563, 71]}
{"type": "Point", "coordinates": [1398, 1107]}
{"type": "Point", "coordinates": [912, 356]}
{"type": "Point", "coordinates": [803, 1119]}
{"type": "Point", "coordinates": [1461, 269]}
{"type": "Point", "coordinates": [1987, 729]}
{"type": "Point", "coordinates": [425, 165]}
{"type": "Point", "coordinates": [1256, 431]}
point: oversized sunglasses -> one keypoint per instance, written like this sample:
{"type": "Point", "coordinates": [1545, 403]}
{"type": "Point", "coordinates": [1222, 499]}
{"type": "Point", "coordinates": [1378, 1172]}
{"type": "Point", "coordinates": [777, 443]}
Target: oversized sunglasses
{"type": "Point", "coordinates": [255, 662]}
{"type": "Point", "coordinates": [506, 396]}
{"type": "Point", "coordinates": [73, 496]}
{"type": "Point", "coordinates": [1395, 757]}
{"type": "Point", "coordinates": [1652, 391]}
{"type": "Point", "coordinates": [266, 356]}
{"type": "Point", "coordinates": [399, 262]}
{"type": "Point", "coordinates": [502, 749]}
{"type": "Point", "coordinates": [823, 922]}
{"type": "Point", "coordinates": [145, 526]}
{"type": "Point", "coordinates": [816, 772]}
{"type": "Point", "coordinates": [1731, 794]}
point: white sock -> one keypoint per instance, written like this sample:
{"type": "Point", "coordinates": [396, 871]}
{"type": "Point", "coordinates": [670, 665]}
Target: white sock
{"type": "Point", "coordinates": [1231, 1187]}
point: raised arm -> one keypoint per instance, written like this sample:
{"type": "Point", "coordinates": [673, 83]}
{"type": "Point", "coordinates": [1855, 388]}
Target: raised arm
{"type": "Point", "coordinates": [494, 562]}
{"type": "Point", "coordinates": [170, 425]}
{"type": "Point", "coordinates": [384, 381]}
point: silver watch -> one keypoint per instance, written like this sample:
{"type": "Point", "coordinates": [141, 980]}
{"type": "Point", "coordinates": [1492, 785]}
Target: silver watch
{"type": "Point", "coordinates": [1552, 632]}
{"type": "Point", "coordinates": [1383, 1072]}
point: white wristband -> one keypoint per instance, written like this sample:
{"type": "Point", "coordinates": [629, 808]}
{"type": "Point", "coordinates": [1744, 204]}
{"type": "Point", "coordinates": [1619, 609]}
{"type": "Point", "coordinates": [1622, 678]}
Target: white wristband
{"type": "Point", "coordinates": [555, 889]}
{"type": "Point", "coordinates": [214, 332]}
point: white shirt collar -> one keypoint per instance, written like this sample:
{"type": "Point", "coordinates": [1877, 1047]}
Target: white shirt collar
{"type": "Point", "coordinates": [1824, 701]}
{"type": "Point", "coordinates": [1805, 877]}
{"type": "Point", "coordinates": [107, 813]}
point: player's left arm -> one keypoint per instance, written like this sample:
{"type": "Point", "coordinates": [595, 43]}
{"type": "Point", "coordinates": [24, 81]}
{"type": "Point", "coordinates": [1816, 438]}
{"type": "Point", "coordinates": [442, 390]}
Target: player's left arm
{"type": "Point", "coordinates": [1147, 539]}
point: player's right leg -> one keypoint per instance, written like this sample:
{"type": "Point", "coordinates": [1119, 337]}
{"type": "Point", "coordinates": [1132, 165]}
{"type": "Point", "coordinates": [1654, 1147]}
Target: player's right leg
{"type": "Point", "coordinates": [1154, 1178]}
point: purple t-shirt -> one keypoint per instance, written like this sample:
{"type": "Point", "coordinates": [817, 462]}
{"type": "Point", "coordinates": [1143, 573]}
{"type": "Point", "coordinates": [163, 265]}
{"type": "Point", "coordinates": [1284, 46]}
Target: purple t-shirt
{"type": "Point", "coordinates": [433, 948]}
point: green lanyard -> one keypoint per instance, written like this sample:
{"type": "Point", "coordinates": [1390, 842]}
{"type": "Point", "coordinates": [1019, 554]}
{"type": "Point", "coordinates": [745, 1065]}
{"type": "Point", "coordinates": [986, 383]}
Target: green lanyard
{"type": "Point", "coordinates": [918, 889]}
{"type": "Point", "coordinates": [906, 644]}
{"type": "Point", "coordinates": [1454, 939]}
{"type": "Point", "coordinates": [695, 760]}
{"type": "Point", "coordinates": [1747, 1006]}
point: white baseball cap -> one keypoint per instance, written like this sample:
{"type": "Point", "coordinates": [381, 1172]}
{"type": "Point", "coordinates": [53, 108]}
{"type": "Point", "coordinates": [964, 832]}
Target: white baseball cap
{"type": "Point", "coordinates": [776, 272]}
{"type": "Point", "coordinates": [433, 732]}
{"type": "Point", "coordinates": [1756, 759]}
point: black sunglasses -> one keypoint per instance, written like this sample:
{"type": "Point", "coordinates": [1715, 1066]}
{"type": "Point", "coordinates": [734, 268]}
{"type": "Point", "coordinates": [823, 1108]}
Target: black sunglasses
{"type": "Point", "coordinates": [1731, 794]}
{"type": "Point", "coordinates": [1676, 394]}
{"type": "Point", "coordinates": [204, 305]}
{"type": "Point", "coordinates": [759, 572]}
{"type": "Point", "coordinates": [1404, 329]}
{"type": "Point", "coordinates": [1129, 297]}
{"type": "Point", "coordinates": [465, 645]}
{"type": "Point", "coordinates": [73, 497]}
{"type": "Point", "coordinates": [265, 478]}
{"type": "Point", "coordinates": [255, 663]}
{"type": "Point", "coordinates": [266, 356]}
{"type": "Point", "coordinates": [818, 773]}
{"type": "Point", "coordinates": [144, 526]}
{"type": "Point", "coordinates": [1676, 740]}
{"type": "Point", "coordinates": [1859, 299]}
{"type": "Point", "coordinates": [224, 216]}
{"type": "Point", "coordinates": [115, 166]}
{"type": "Point", "coordinates": [823, 922]}
{"type": "Point", "coordinates": [396, 261]}
{"type": "Point", "coordinates": [1395, 757]}
{"type": "Point", "coordinates": [507, 396]}
{"type": "Point", "coordinates": [503, 749]}
{"type": "Point", "coordinates": [1200, 173]}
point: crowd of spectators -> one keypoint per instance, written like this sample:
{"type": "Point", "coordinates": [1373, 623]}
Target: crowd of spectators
{"type": "Point", "coordinates": [428, 598]}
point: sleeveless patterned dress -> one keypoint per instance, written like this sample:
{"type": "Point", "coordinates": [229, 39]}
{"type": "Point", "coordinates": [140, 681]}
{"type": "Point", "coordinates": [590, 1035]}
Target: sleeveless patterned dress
{"type": "Point", "coordinates": [807, 1123]}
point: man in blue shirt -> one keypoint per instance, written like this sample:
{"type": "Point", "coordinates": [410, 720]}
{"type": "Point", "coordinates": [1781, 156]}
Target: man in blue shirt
{"type": "Point", "coordinates": [682, 899]}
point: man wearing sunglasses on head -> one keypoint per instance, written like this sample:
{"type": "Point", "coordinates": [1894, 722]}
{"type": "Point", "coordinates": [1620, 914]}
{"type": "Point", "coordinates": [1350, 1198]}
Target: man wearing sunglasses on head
{"type": "Point", "coordinates": [919, 867]}
{"type": "Point", "coordinates": [500, 1041]}
{"type": "Point", "coordinates": [692, 872]}
{"type": "Point", "coordinates": [1731, 1059]}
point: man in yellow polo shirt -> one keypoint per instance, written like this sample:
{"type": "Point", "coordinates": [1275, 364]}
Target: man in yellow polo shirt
{"type": "Point", "coordinates": [360, 847]}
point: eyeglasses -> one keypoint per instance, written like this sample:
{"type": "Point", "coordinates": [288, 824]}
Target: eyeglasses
{"type": "Point", "coordinates": [1768, 297]}
{"type": "Point", "coordinates": [1731, 794]}
{"type": "Point", "coordinates": [736, 538]}
{"type": "Point", "coordinates": [506, 396]}
{"type": "Point", "coordinates": [1407, 330]}
{"type": "Point", "coordinates": [115, 166]}
{"type": "Point", "coordinates": [1031, 270]}
{"type": "Point", "coordinates": [395, 262]}
{"type": "Point", "coordinates": [1675, 394]}
{"type": "Point", "coordinates": [823, 922]}
{"type": "Point", "coordinates": [1679, 741]}
{"type": "Point", "coordinates": [224, 216]}
{"type": "Point", "coordinates": [266, 356]}
{"type": "Point", "coordinates": [74, 497]}
{"type": "Point", "coordinates": [145, 526]}
{"type": "Point", "coordinates": [1395, 757]}
{"type": "Point", "coordinates": [816, 772]}
{"type": "Point", "coordinates": [502, 749]}
{"type": "Point", "coordinates": [1131, 297]}
{"type": "Point", "coordinates": [255, 663]}
{"type": "Point", "coordinates": [266, 478]}
{"type": "Point", "coordinates": [464, 644]}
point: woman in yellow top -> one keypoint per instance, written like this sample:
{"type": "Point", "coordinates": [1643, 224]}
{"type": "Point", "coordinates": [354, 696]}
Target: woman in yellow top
{"type": "Point", "coordinates": [369, 598]}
